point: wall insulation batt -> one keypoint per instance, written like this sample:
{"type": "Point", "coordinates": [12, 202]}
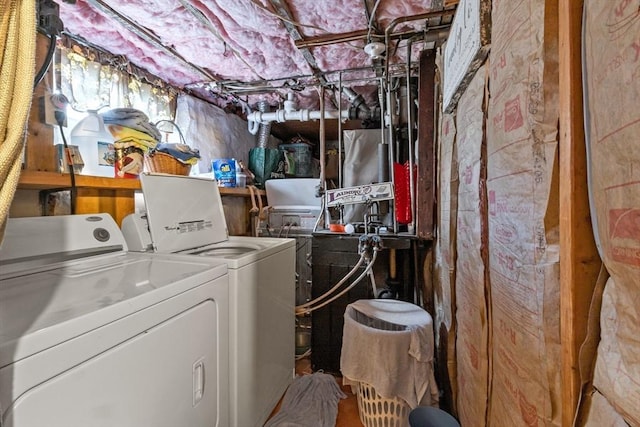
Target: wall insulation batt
{"type": "Point", "coordinates": [471, 286]}
{"type": "Point", "coordinates": [445, 253]}
{"type": "Point", "coordinates": [612, 60]}
{"type": "Point", "coordinates": [523, 214]}
{"type": "Point", "coordinates": [505, 227]}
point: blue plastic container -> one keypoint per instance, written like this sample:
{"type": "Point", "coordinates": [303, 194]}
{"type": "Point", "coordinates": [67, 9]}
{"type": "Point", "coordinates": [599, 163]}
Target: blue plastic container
{"type": "Point", "coordinates": [224, 170]}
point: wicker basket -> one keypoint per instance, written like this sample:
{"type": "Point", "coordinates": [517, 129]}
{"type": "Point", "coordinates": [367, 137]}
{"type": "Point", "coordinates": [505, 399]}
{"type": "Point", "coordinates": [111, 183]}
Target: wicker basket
{"type": "Point", "coordinates": [164, 163]}
{"type": "Point", "coordinates": [377, 411]}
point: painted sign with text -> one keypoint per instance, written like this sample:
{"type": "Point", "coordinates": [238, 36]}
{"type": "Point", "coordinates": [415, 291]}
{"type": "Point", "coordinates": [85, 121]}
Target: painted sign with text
{"type": "Point", "coordinates": [360, 194]}
{"type": "Point", "coordinates": [466, 48]}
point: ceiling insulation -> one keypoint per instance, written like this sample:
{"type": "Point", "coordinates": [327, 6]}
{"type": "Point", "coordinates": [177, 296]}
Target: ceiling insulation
{"type": "Point", "coordinates": [248, 50]}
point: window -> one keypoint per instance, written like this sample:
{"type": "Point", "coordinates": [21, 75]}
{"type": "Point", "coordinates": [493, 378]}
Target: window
{"type": "Point", "coordinates": [92, 85]}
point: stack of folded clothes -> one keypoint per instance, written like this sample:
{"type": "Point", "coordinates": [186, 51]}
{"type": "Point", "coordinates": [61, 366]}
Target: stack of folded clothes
{"type": "Point", "coordinates": [134, 135]}
{"type": "Point", "coordinates": [181, 152]}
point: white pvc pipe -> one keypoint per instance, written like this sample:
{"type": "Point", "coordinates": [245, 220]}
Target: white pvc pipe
{"type": "Point", "coordinates": [253, 127]}
{"type": "Point", "coordinates": [282, 116]}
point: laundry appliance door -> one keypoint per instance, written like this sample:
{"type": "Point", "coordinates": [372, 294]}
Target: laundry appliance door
{"type": "Point", "coordinates": [262, 322]}
{"type": "Point", "coordinates": [165, 375]}
{"type": "Point", "coordinates": [116, 340]}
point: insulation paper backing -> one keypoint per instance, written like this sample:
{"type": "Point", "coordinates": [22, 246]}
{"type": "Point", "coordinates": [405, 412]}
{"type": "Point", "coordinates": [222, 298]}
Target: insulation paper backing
{"type": "Point", "coordinates": [612, 64]}
{"type": "Point", "coordinates": [470, 285]}
{"type": "Point", "coordinates": [523, 216]}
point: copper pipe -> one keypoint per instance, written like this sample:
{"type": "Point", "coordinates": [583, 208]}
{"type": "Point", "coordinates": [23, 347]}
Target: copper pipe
{"type": "Point", "coordinates": [402, 19]}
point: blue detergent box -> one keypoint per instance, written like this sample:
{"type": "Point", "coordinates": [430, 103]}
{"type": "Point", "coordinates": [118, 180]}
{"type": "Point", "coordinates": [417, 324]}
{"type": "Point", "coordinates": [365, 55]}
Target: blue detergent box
{"type": "Point", "coordinates": [224, 171]}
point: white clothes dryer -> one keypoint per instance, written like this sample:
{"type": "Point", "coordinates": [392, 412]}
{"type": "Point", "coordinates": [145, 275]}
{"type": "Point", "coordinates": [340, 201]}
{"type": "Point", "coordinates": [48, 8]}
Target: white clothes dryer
{"type": "Point", "coordinates": [91, 335]}
{"type": "Point", "coordinates": [184, 215]}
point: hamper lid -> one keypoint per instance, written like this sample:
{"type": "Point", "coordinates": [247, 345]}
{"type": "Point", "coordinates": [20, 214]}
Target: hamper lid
{"type": "Point", "coordinates": [394, 312]}
{"type": "Point", "coordinates": [183, 212]}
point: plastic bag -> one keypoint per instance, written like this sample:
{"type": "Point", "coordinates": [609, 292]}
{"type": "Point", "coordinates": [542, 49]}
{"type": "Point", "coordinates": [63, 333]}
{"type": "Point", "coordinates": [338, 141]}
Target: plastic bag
{"type": "Point", "coordinates": [265, 164]}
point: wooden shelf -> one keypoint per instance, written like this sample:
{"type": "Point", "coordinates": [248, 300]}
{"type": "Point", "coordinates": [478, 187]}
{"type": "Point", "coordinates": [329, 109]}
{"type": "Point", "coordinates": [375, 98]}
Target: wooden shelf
{"type": "Point", "coordinates": [38, 180]}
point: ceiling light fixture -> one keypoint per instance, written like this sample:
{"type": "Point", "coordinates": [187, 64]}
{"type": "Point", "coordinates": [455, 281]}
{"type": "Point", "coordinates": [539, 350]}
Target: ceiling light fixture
{"type": "Point", "coordinates": [374, 50]}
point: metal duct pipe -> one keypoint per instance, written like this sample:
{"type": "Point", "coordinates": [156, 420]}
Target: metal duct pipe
{"type": "Point", "coordinates": [265, 128]}
{"type": "Point", "coordinates": [357, 101]}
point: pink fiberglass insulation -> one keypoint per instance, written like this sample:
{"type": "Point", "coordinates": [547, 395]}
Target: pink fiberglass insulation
{"type": "Point", "coordinates": [231, 40]}
{"type": "Point", "coordinates": [104, 32]}
{"type": "Point", "coordinates": [328, 17]}
{"type": "Point", "coordinates": [256, 38]}
{"type": "Point", "coordinates": [390, 10]}
{"type": "Point", "coordinates": [335, 57]}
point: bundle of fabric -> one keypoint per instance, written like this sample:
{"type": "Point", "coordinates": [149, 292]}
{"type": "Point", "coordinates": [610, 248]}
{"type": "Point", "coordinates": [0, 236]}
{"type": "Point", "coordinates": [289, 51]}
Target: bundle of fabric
{"type": "Point", "coordinates": [181, 152]}
{"type": "Point", "coordinates": [175, 159]}
{"type": "Point", "coordinates": [131, 128]}
{"type": "Point", "coordinates": [310, 401]}
{"type": "Point", "coordinates": [133, 135]}
{"type": "Point", "coordinates": [132, 119]}
{"type": "Point", "coordinates": [124, 137]}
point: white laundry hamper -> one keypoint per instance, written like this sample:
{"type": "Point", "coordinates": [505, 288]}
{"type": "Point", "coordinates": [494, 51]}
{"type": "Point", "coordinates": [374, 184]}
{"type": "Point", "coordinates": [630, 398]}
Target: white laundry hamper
{"type": "Point", "coordinates": [377, 411]}
{"type": "Point", "coordinates": [374, 324]}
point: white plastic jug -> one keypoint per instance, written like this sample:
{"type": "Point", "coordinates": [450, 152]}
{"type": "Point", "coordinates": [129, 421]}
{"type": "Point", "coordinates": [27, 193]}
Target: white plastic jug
{"type": "Point", "coordinates": [95, 144]}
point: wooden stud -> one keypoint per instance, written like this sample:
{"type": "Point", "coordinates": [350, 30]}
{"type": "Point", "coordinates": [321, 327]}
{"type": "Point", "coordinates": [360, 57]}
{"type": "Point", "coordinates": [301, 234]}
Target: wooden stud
{"type": "Point", "coordinates": [425, 188]}
{"type": "Point", "coordinates": [579, 261]}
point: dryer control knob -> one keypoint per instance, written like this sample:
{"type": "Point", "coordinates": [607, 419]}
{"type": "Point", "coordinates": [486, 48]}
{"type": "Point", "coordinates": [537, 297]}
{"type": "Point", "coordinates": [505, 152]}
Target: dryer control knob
{"type": "Point", "coordinates": [101, 234]}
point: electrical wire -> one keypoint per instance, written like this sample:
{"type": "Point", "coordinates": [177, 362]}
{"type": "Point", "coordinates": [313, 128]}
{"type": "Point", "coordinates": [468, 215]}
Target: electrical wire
{"type": "Point", "coordinates": [371, 18]}
{"type": "Point", "coordinates": [47, 61]}
{"type": "Point", "coordinates": [69, 157]}
{"type": "Point", "coordinates": [204, 20]}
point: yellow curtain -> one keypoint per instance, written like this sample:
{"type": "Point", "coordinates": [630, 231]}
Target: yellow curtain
{"type": "Point", "coordinates": [17, 70]}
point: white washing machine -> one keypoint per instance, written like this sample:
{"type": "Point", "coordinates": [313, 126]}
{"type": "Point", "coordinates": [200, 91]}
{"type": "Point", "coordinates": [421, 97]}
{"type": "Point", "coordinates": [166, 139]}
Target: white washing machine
{"type": "Point", "coordinates": [184, 215]}
{"type": "Point", "coordinates": [91, 335]}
